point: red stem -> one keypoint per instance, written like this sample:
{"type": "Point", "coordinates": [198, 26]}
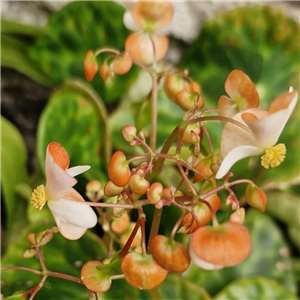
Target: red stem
{"type": "Point", "coordinates": [130, 239]}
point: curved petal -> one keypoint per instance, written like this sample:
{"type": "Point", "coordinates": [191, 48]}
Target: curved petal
{"type": "Point", "coordinates": [267, 130]}
{"type": "Point", "coordinates": [153, 14]}
{"type": "Point", "coordinates": [240, 88]}
{"type": "Point", "coordinates": [284, 101]}
{"type": "Point", "coordinates": [68, 230]}
{"type": "Point", "coordinates": [74, 171]}
{"type": "Point", "coordinates": [129, 22]}
{"type": "Point", "coordinates": [234, 136]}
{"type": "Point", "coordinates": [141, 48]}
{"type": "Point", "coordinates": [59, 155]}
{"type": "Point", "coordinates": [227, 107]}
{"type": "Point", "coordinates": [58, 180]}
{"type": "Point", "coordinates": [235, 155]}
{"type": "Point", "coordinates": [75, 213]}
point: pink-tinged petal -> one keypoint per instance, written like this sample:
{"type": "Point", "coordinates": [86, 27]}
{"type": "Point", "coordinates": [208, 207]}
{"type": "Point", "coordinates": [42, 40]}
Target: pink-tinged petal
{"type": "Point", "coordinates": [267, 130]}
{"type": "Point", "coordinates": [129, 22]}
{"type": "Point", "coordinates": [58, 180]}
{"type": "Point", "coordinates": [239, 85]}
{"type": "Point", "coordinates": [226, 107]}
{"type": "Point", "coordinates": [59, 155]}
{"type": "Point", "coordinates": [286, 100]}
{"type": "Point", "coordinates": [75, 213]}
{"type": "Point", "coordinates": [74, 171]}
{"type": "Point", "coordinates": [235, 155]}
{"type": "Point", "coordinates": [234, 136]}
{"type": "Point", "coordinates": [141, 48]}
{"type": "Point", "coordinates": [152, 14]}
{"type": "Point", "coordinates": [68, 230]}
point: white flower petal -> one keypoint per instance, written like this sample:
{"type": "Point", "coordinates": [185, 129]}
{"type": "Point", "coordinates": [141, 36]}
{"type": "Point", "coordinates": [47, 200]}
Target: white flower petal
{"type": "Point", "coordinates": [235, 155]}
{"type": "Point", "coordinates": [74, 171]}
{"type": "Point", "coordinates": [58, 181]}
{"type": "Point", "coordinates": [129, 22]}
{"type": "Point", "coordinates": [69, 231]}
{"type": "Point", "coordinates": [267, 130]}
{"type": "Point", "coordinates": [234, 136]}
{"type": "Point", "coordinates": [73, 212]}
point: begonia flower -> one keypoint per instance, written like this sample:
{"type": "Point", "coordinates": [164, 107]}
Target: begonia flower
{"type": "Point", "coordinates": [262, 131]}
{"type": "Point", "coordinates": [146, 45]}
{"type": "Point", "coordinates": [72, 216]}
{"type": "Point", "coordinates": [242, 94]}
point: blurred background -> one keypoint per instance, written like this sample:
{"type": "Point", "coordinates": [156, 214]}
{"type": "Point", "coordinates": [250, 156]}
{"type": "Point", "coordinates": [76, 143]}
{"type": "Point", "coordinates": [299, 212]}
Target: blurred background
{"type": "Point", "coordinates": [45, 97]}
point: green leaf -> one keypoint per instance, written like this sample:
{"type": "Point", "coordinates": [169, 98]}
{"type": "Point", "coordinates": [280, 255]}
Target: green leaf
{"type": "Point", "coordinates": [267, 242]}
{"type": "Point", "coordinates": [285, 207]}
{"type": "Point", "coordinates": [13, 173]}
{"type": "Point", "coordinates": [143, 115]}
{"type": "Point", "coordinates": [176, 287]}
{"type": "Point", "coordinates": [75, 118]}
{"type": "Point", "coordinates": [16, 40]}
{"type": "Point", "coordinates": [16, 29]}
{"type": "Point", "coordinates": [255, 288]}
{"type": "Point", "coordinates": [60, 255]}
{"type": "Point", "coordinates": [112, 268]}
{"type": "Point", "coordinates": [75, 29]}
{"type": "Point", "coordinates": [16, 296]}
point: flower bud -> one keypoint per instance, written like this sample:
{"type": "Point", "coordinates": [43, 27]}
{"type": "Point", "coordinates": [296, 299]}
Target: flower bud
{"type": "Point", "coordinates": [111, 190]}
{"type": "Point", "coordinates": [121, 199]}
{"type": "Point", "coordinates": [154, 192]}
{"type": "Point", "coordinates": [173, 84]}
{"type": "Point", "coordinates": [90, 66]}
{"type": "Point", "coordinates": [171, 192]}
{"type": "Point", "coordinates": [152, 15]}
{"type": "Point", "coordinates": [94, 190]}
{"type": "Point", "coordinates": [118, 169]}
{"type": "Point", "coordinates": [121, 64]}
{"type": "Point", "coordinates": [238, 216]}
{"type": "Point", "coordinates": [255, 197]}
{"type": "Point", "coordinates": [202, 213]}
{"type": "Point", "coordinates": [129, 133]}
{"type": "Point", "coordinates": [140, 47]}
{"type": "Point", "coordinates": [30, 252]}
{"type": "Point", "coordinates": [203, 165]}
{"type": "Point", "coordinates": [119, 225]}
{"type": "Point", "coordinates": [188, 135]}
{"type": "Point", "coordinates": [104, 71]}
{"type": "Point", "coordinates": [138, 184]}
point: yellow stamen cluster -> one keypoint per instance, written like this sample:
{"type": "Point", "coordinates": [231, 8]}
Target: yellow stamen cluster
{"type": "Point", "coordinates": [274, 156]}
{"type": "Point", "coordinates": [39, 197]}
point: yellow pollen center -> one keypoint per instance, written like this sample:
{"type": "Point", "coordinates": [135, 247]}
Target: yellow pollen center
{"type": "Point", "coordinates": [274, 156]}
{"type": "Point", "coordinates": [39, 197]}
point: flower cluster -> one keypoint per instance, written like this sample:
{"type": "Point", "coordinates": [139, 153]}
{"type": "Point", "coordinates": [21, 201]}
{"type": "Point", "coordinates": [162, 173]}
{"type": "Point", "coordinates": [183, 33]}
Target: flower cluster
{"type": "Point", "coordinates": [134, 182]}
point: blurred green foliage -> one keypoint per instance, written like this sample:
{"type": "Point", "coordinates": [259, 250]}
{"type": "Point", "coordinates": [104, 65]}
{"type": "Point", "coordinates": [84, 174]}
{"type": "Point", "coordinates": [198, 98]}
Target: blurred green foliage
{"type": "Point", "coordinates": [76, 119]}
{"type": "Point", "coordinates": [71, 32]}
{"type": "Point", "coordinates": [261, 41]}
